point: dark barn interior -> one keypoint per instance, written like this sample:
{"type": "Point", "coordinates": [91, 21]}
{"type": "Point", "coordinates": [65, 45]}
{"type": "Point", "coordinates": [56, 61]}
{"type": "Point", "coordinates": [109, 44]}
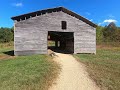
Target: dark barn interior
{"type": "Point", "coordinates": [61, 41]}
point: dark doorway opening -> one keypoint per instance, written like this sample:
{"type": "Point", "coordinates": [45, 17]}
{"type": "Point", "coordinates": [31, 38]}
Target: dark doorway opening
{"type": "Point", "coordinates": [62, 42]}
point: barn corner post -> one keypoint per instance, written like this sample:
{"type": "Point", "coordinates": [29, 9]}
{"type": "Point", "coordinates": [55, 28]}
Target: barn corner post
{"type": "Point", "coordinates": [15, 21]}
{"type": "Point", "coordinates": [95, 42]}
{"type": "Point", "coordinates": [47, 42]}
{"type": "Point", "coordinates": [74, 45]}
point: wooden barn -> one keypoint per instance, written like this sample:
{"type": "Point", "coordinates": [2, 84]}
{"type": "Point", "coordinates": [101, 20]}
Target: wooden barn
{"type": "Point", "coordinates": [68, 29]}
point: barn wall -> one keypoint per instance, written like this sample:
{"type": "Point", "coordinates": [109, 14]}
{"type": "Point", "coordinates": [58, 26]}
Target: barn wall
{"type": "Point", "coordinates": [85, 41]}
{"type": "Point", "coordinates": [30, 41]}
{"type": "Point", "coordinates": [31, 34]}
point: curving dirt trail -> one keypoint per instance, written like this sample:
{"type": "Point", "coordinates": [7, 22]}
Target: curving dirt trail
{"type": "Point", "coordinates": [73, 75]}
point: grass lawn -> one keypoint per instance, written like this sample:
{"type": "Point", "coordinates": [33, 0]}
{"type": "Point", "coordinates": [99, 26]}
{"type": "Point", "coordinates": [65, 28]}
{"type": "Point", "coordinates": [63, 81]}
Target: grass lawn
{"type": "Point", "coordinates": [104, 67]}
{"type": "Point", "coordinates": [5, 47]}
{"type": "Point", "coordinates": [35, 72]}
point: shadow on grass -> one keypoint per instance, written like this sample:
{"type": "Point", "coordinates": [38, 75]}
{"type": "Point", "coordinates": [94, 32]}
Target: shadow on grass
{"type": "Point", "coordinates": [10, 53]}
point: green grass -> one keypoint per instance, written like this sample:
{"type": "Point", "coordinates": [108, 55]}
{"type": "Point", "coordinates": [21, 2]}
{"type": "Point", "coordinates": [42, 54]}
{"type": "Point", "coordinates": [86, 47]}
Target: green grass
{"type": "Point", "coordinates": [35, 72]}
{"type": "Point", "coordinates": [5, 47]}
{"type": "Point", "coordinates": [51, 43]}
{"type": "Point", "coordinates": [109, 44]}
{"type": "Point", "coordinates": [104, 67]}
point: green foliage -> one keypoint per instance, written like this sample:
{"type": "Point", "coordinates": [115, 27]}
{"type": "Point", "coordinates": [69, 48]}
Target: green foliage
{"type": "Point", "coordinates": [6, 34]}
{"type": "Point", "coordinates": [99, 34]}
{"type": "Point", "coordinates": [110, 33]}
{"type": "Point", "coordinates": [117, 35]}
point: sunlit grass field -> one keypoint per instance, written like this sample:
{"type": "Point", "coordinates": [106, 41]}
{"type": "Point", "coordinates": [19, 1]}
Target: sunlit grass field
{"type": "Point", "coordinates": [104, 67]}
{"type": "Point", "coordinates": [35, 72]}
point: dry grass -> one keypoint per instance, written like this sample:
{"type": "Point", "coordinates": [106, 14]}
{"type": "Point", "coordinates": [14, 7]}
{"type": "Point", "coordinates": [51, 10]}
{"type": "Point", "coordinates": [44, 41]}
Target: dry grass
{"type": "Point", "coordinates": [104, 67]}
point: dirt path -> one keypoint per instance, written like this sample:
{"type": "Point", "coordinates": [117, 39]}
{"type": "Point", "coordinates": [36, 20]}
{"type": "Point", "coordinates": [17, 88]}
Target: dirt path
{"type": "Point", "coordinates": [73, 75]}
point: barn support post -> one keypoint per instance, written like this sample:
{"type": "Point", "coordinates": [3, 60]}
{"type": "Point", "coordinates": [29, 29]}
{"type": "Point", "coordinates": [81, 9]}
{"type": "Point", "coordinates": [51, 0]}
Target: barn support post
{"type": "Point", "coordinates": [62, 44]}
{"type": "Point", "coordinates": [56, 43]}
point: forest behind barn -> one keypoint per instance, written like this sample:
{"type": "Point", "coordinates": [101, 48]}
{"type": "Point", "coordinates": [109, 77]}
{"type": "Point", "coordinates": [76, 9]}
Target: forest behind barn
{"type": "Point", "coordinates": [109, 34]}
{"type": "Point", "coordinates": [6, 35]}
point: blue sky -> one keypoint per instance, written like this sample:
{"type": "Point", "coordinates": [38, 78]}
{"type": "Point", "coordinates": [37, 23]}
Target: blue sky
{"type": "Point", "coordinates": [100, 12]}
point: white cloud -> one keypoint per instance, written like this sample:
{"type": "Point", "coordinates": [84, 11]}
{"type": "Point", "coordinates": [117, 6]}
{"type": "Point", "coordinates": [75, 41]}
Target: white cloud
{"type": "Point", "coordinates": [109, 20]}
{"type": "Point", "coordinates": [18, 4]}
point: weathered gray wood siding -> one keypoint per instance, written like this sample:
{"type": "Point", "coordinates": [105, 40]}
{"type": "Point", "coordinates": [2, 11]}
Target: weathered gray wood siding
{"type": "Point", "coordinates": [31, 34]}
{"type": "Point", "coordinates": [85, 41]}
{"type": "Point", "coordinates": [30, 41]}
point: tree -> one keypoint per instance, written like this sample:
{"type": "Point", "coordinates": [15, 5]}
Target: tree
{"type": "Point", "coordinates": [99, 34]}
{"type": "Point", "coordinates": [109, 32]}
{"type": "Point", "coordinates": [6, 35]}
{"type": "Point", "coordinates": [117, 35]}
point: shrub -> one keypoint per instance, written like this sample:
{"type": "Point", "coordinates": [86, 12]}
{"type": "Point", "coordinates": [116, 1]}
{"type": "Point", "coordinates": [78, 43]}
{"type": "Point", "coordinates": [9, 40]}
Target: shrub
{"type": "Point", "coordinates": [6, 35]}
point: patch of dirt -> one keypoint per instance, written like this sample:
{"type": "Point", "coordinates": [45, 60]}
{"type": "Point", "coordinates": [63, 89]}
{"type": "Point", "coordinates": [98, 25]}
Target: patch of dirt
{"type": "Point", "coordinates": [73, 75]}
{"type": "Point", "coordinates": [4, 57]}
{"type": "Point", "coordinates": [104, 46]}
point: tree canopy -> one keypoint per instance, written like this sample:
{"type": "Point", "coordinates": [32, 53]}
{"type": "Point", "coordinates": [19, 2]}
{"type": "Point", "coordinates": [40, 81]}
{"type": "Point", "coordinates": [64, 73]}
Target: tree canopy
{"type": "Point", "coordinates": [6, 34]}
{"type": "Point", "coordinates": [110, 33]}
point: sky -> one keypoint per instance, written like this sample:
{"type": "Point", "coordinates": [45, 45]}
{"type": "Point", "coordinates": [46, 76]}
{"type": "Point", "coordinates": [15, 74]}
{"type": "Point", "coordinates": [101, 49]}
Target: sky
{"type": "Point", "coordinates": [100, 12]}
